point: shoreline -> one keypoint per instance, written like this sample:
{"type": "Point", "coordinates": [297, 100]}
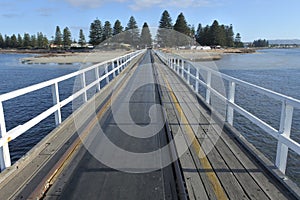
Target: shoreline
{"type": "Point", "coordinates": [73, 57]}
{"type": "Point", "coordinates": [43, 56]}
{"type": "Point", "coordinates": [209, 55]}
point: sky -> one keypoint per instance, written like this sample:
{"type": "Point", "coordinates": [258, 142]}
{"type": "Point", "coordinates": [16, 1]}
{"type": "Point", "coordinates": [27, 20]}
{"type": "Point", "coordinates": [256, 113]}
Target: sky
{"type": "Point", "coordinates": [253, 19]}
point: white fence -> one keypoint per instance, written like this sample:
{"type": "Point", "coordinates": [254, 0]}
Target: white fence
{"type": "Point", "coordinates": [183, 69]}
{"type": "Point", "coordinates": [116, 65]}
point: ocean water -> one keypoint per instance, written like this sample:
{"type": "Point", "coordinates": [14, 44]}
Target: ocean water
{"type": "Point", "coordinates": [274, 69]}
{"type": "Point", "coordinates": [15, 75]}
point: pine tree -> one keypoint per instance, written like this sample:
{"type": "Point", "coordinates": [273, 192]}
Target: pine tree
{"type": "Point", "coordinates": [13, 41]}
{"type": "Point", "coordinates": [117, 28]}
{"type": "Point", "coordinates": [181, 25]}
{"type": "Point", "coordinates": [7, 43]}
{"type": "Point", "coordinates": [26, 40]}
{"type": "Point", "coordinates": [132, 35]}
{"type": "Point", "coordinates": [146, 39]}
{"type": "Point", "coordinates": [107, 30]}
{"type": "Point", "coordinates": [58, 37]}
{"type": "Point", "coordinates": [20, 41]}
{"type": "Point", "coordinates": [96, 33]}
{"type": "Point", "coordinates": [45, 42]}
{"type": "Point", "coordinates": [215, 33]}
{"type": "Point", "coordinates": [33, 41]}
{"type": "Point", "coordinates": [229, 36]}
{"type": "Point", "coordinates": [1, 41]}
{"type": "Point", "coordinates": [164, 32]}
{"type": "Point", "coordinates": [238, 41]}
{"type": "Point", "coordinates": [81, 40]}
{"type": "Point", "coordinates": [67, 40]}
{"type": "Point", "coordinates": [40, 38]}
{"type": "Point", "coordinates": [199, 33]}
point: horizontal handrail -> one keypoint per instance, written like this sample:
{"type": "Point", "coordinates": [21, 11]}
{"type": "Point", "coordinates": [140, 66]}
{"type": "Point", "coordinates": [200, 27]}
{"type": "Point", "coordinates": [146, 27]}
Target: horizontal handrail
{"type": "Point", "coordinates": [7, 136]}
{"type": "Point", "coordinates": [182, 66]}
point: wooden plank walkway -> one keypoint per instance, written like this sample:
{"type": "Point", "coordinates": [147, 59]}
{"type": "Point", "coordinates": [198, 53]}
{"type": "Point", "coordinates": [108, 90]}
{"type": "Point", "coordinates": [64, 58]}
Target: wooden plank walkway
{"type": "Point", "coordinates": [237, 172]}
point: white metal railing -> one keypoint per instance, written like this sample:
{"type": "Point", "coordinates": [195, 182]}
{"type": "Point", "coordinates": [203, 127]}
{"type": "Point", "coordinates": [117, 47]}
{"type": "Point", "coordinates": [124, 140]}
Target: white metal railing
{"type": "Point", "coordinates": [282, 135]}
{"type": "Point", "coordinates": [116, 65]}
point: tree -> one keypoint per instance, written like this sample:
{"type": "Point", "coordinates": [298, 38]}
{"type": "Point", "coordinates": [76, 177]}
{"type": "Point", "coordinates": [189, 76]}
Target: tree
{"type": "Point", "coordinates": [260, 43]}
{"type": "Point", "coordinates": [33, 41]}
{"type": "Point", "coordinates": [58, 37]}
{"type": "Point", "coordinates": [117, 28]}
{"type": "Point", "coordinates": [26, 40]}
{"type": "Point", "coordinates": [215, 33]}
{"type": "Point", "coordinates": [238, 40]}
{"type": "Point", "coordinates": [181, 25]}
{"type": "Point", "coordinates": [1, 41]}
{"type": "Point", "coordinates": [81, 40]}
{"type": "Point", "coordinates": [96, 32]}
{"type": "Point", "coordinates": [165, 20]}
{"type": "Point", "coordinates": [40, 38]}
{"type": "Point", "coordinates": [107, 30]}
{"type": "Point", "coordinates": [198, 34]}
{"type": "Point", "coordinates": [146, 39]}
{"type": "Point", "coordinates": [20, 41]}
{"type": "Point", "coordinates": [13, 41]}
{"type": "Point", "coordinates": [132, 35]}
{"type": "Point", "coordinates": [164, 33]}
{"type": "Point", "coordinates": [229, 36]}
{"type": "Point", "coordinates": [45, 42]}
{"type": "Point", "coordinates": [67, 40]}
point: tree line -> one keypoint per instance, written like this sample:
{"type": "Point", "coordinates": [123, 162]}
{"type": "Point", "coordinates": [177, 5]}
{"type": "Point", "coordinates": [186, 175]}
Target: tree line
{"type": "Point", "coordinates": [209, 35]}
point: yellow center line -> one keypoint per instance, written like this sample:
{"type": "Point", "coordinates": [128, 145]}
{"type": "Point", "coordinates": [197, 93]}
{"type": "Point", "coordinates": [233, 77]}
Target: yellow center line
{"type": "Point", "coordinates": [217, 187]}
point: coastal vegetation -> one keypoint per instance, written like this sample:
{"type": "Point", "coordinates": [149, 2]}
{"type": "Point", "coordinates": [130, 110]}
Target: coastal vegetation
{"type": "Point", "coordinates": [214, 35]}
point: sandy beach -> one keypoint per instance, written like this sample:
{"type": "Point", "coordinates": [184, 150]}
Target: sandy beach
{"type": "Point", "coordinates": [207, 55]}
{"type": "Point", "coordinates": [100, 56]}
{"type": "Point", "coordinates": [83, 57]}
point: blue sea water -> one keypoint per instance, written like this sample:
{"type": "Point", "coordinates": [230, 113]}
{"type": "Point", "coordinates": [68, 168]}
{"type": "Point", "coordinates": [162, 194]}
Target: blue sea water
{"type": "Point", "coordinates": [15, 75]}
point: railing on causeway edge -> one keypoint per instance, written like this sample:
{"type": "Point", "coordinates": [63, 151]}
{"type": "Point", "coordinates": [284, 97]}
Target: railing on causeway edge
{"type": "Point", "coordinates": [183, 67]}
{"type": "Point", "coordinates": [116, 65]}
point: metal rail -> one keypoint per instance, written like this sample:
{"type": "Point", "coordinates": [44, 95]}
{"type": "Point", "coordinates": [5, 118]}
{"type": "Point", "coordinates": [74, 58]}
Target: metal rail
{"type": "Point", "coordinates": [284, 142]}
{"type": "Point", "coordinates": [112, 68]}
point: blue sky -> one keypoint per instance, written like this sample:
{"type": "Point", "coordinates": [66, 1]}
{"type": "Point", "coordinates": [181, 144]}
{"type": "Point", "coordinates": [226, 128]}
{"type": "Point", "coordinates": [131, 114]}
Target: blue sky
{"type": "Point", "coordinates": [253, 19]}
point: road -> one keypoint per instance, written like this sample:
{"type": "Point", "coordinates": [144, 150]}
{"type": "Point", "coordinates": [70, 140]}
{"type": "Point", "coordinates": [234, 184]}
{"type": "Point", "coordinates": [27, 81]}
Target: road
{"type": "Point", "coordinates": [123, 160]}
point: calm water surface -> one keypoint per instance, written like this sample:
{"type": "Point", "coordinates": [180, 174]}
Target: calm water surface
{"type": "Point", "coordinates": [15, 75]}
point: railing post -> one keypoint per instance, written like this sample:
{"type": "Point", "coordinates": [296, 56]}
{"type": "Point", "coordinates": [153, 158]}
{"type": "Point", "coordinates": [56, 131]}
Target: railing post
{"type": "Point", "coordinates": [84, 86]}
{"type": "Point", "coordinates": [208, 84]}
{"type": "Point", "coordinates": [118, 65]}
{"type": "Point", "coordinates": [55, 97]}
{"type": "Point", "coordinates": [177, 66]}
{"type": "Point", "coordinates": [97, 77]}
{"type": "Point", "coordinates": [188, 74]}
{"type": "Point", "coordinates": [106, 72]}
{"type": "Point", "coordinates": [4, 150]}
{"type": "Point", "coordinates": [231, 95]}
{"type": "Point", "coordinates": [197, 81]}
{"type": "Point", "coordinates": [284, 130]}
{"type": "Point", "coordinates": [182, 68]}
{"type": "Point", "coordinates": [112, 68]}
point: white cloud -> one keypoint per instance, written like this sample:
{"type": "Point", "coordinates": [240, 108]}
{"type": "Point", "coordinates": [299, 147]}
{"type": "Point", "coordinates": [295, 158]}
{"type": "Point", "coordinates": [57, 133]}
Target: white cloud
{"type": "Point", "coordinates": [142, 4]}
{"type": "Point", "coordinates": [90, 3]}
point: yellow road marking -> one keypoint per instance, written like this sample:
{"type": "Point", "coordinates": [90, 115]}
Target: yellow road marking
{"type": "Point", "coordinates": [217, 187]}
